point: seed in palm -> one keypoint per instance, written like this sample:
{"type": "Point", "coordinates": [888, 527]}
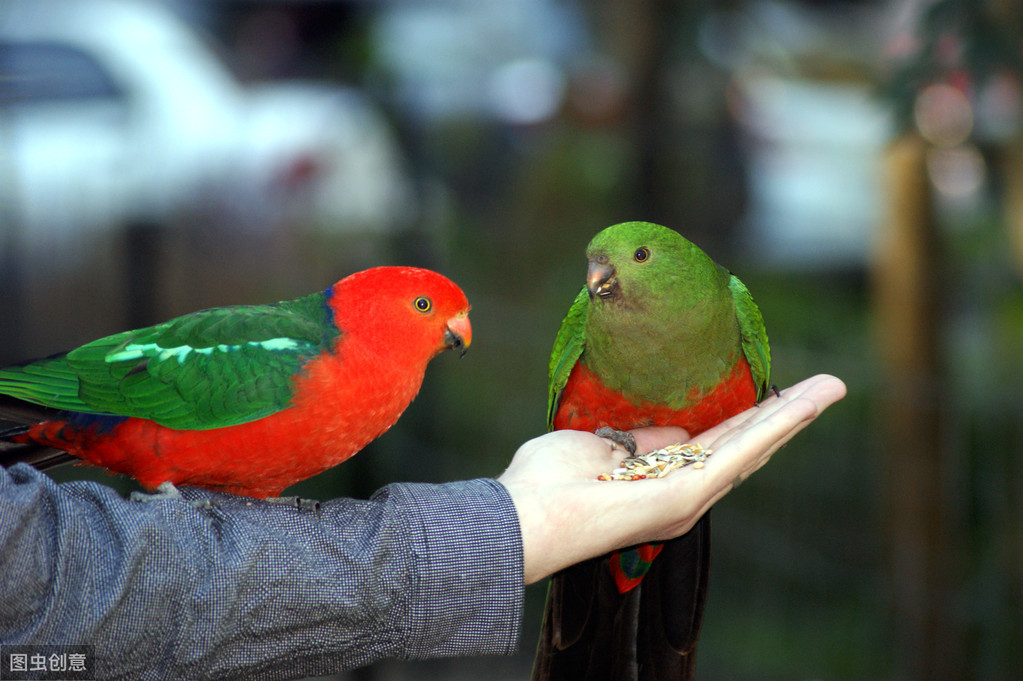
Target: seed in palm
{"type": "Point", "coordinates": [659, 462]}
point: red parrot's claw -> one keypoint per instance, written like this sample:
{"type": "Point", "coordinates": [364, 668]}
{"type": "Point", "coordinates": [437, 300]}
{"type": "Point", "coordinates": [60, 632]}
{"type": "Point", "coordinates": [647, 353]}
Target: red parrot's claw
{"type": "Point", "coordinates": [298, 502]}
{"type": "Point", "coordinates": [167, 490]}
{"type": "Point", "coordinates": [620, 437]}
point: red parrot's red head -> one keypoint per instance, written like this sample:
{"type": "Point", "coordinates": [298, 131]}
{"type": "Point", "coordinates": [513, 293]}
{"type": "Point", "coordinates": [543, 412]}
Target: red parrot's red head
{"type": "Point", "coordinates": [418, 309]}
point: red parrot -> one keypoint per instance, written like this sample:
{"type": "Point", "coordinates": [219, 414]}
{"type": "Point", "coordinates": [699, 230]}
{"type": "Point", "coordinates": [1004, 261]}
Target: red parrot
{"type": "Point", "coordinates": [243, 399]}
{"type": "Point", "coordinates": [660, 335]}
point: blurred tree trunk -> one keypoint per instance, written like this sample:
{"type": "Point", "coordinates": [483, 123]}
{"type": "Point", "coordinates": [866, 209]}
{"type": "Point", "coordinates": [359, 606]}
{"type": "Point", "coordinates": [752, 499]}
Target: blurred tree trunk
{"type": "Point", "coordinates": [1012, 174]}
{"type": "Point", "coordinates": [639, 35]}
{"type": "Point", "coordinates": [688, 171]}
{"type": "Point", "coordinates": [908, 278]}
{"type": "Point", "coordinates": [642, 39]}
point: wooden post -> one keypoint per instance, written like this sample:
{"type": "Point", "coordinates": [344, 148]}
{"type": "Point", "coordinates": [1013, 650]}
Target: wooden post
{"type": "Point", "coordinates": [1011, 169]}
{"type": "Point", "coordinates": [908, 280]}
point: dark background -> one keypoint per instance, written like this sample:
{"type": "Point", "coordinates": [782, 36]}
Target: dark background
{"type": "Point", "coordinates": [855, 163]}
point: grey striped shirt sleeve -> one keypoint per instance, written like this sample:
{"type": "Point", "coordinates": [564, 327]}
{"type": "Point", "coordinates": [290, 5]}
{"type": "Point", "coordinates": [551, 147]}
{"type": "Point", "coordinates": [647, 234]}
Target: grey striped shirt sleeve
{"type": "Point", "coordinates": [249, 589]}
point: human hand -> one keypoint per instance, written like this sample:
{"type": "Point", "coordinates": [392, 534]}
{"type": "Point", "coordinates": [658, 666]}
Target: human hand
{"type": "Point", "coordinates": [567, 515]}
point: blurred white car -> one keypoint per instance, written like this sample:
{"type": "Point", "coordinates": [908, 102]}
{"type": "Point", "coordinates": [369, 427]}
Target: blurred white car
{"type": "Point", "coordinates": [116, 113]}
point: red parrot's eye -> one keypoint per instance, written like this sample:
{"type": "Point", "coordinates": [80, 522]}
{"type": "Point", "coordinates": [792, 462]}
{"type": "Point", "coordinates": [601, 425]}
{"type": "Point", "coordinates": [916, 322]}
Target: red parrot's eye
{"type": "Point", "coordinates": [641, 254]}
{"type": "Point", "coordinates": [423, 304]}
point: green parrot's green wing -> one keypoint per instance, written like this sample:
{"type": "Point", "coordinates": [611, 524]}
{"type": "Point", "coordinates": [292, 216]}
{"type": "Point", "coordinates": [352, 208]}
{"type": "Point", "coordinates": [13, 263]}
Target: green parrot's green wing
{"type": "Point", "coordinates": [568, 346]}
{"type": "Point", "coordinates": [209, 369]}
{"type": "Point", "coordinates": [754, 335]}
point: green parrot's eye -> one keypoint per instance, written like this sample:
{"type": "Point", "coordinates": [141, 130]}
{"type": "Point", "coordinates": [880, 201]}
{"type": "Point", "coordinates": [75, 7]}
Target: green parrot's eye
{"type": "Point", "coordinates": [641, 254]}
{"type": "Point", "coordinates": [423, 304]}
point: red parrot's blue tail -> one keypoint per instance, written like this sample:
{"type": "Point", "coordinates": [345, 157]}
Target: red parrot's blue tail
{"type": "Point", "coordinates": [14, 446]}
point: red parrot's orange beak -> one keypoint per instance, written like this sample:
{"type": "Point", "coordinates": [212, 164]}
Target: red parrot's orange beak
{"type": "Point", "coordinates": [458, 335]}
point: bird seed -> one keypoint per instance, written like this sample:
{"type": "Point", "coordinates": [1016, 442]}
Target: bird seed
{"type": "Point", "coordinates": [659, 462]}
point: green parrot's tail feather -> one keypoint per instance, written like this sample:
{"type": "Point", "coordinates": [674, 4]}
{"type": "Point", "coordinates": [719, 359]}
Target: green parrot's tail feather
{"type": "Point", "coordinates": [671, 606]}
{"type": "Point", "coordinates": [591, 632]}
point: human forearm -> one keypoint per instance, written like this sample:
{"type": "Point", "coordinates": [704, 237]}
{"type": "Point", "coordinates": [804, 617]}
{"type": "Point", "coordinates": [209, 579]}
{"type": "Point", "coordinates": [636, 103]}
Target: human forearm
{"type": "Point", "coordinates": [251, 590]}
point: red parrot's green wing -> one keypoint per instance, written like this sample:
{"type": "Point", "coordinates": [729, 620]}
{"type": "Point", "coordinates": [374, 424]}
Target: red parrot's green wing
{"type": "Point", "coordinates": [208, 369]}
{"type": "Point", "coordinates": [568, 346]}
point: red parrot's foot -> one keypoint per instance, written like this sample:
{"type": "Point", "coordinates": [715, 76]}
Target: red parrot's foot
{"type": "Point", "coordinates": [167, 490]}
{"type": "Point", "coordinates": [620, 437]}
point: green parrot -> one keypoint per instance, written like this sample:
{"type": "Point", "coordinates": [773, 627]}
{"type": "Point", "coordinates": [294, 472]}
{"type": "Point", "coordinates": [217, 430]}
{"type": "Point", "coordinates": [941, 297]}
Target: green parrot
{"type": "Point", "coordinates": [660, 335]}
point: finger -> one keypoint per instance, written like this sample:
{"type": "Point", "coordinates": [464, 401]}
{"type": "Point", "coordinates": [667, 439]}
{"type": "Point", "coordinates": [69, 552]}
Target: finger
{"type": "Point", "coordinates": [741, 446]}
{"type": "Point", "coordinates": [748, 449]}
{"type": "Point", "coordinates": [823, 390]}
{"type": "Point", "coordinates": [751, 446]}
{"type": "Point", "coordinates": [656, 437]}
{"type": "Point", "coordinates": [756, 445]}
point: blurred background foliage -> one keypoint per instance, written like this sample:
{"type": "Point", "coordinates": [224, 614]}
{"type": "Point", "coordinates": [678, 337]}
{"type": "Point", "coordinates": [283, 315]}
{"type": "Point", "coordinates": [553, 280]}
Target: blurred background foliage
{"type": "Point", "coordinates": [858, 164]}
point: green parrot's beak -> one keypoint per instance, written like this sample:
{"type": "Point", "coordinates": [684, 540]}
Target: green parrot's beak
{"type": "Point", "coordinates": [601, 279]}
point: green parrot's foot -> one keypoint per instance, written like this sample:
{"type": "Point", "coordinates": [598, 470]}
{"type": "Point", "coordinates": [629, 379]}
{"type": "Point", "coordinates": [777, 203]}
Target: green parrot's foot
{"type": "Point", "coordinates": [167, 490]}
{"type": "Point", "coordinates": [296, 502]}
{"type": "Point", "coordinates": [774, 389]}
{"type": "Point", "coordinates": [618, 437]}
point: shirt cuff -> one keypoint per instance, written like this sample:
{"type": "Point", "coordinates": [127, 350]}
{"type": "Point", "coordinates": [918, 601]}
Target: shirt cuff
{"type": "Point", "coordinates": [468, 549]}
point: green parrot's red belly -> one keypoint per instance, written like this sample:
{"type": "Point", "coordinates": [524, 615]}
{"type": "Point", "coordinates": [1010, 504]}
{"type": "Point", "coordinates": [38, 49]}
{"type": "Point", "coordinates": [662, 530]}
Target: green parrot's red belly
{"type": "Point", "coordinates": [587, 404]}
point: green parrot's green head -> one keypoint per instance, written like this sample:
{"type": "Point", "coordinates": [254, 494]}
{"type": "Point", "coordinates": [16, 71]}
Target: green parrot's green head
{"type": "Point", "coordinates": [635, 263]}
{"type": "Point", "coordinates": [658, 307]}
